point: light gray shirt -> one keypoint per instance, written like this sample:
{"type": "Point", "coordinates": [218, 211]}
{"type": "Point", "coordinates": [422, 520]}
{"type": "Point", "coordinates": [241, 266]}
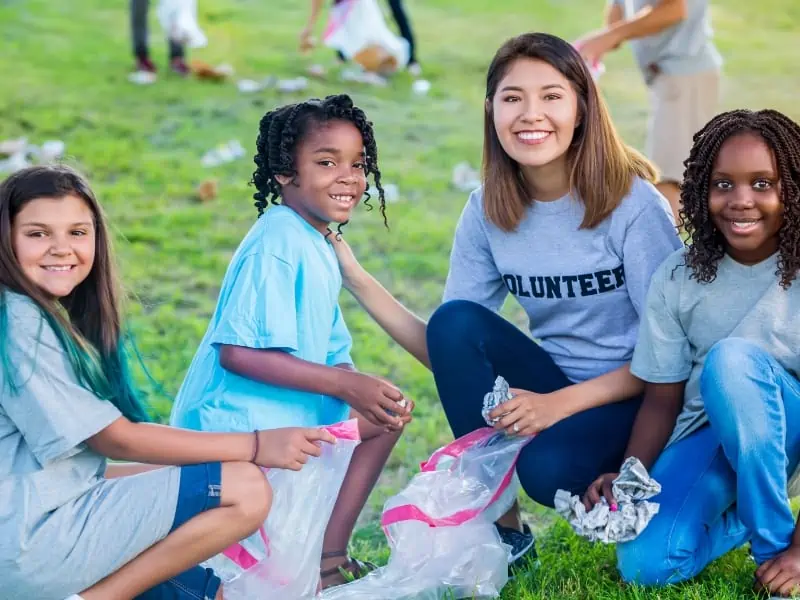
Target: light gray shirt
{"type": "Point", "coordinates": [582, 289]}
{"type": "Point", "coordinates": [62, 524]}
{"type": "Point", "coordinates": [683, 49]}
{"type": "Point", "coordinates": [685, 318]}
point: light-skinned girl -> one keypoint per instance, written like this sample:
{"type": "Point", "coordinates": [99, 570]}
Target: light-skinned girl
{"type": "Point", "coordinates": [70, 523]}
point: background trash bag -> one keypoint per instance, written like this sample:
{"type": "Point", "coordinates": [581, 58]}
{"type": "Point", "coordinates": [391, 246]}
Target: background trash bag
{"type": "Point", "coordinates": [282, 560]}
{"type": "Point", "coordinates": [440, 528]}
{"type": "Point", "coordinates": [358, 30]}
{"type": "Point", "coordinates": [178, 18]}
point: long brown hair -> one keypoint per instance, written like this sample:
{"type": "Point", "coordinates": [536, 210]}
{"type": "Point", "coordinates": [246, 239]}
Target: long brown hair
{"type": "Point", "coordinates": [601, 166]}
{"type": "Point", "coordinates": [88, 320]}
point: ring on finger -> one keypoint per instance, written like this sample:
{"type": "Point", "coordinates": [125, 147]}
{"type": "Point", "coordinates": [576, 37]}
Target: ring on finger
{"type": "Point", "coordinates": [515, 427]}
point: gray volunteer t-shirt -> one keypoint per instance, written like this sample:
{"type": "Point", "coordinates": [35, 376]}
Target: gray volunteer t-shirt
{"type": "Point", "coordinates": [63, 527]}
{"type": "Point", "coordinates": [582, 289]}
{"type": "Point", "coordinates": [684, 48]}
{"type": "Point", "coordinates": [685, 318]}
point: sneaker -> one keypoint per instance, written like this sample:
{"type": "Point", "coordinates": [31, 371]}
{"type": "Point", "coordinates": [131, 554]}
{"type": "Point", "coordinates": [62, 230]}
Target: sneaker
{"type": "Point", "coordinates": [145, 65]}
{"type": "Point", "coordinates": [415, 69]}
{"type": "Point", "coordinates": [179, 66]}
{"type": "Point", "coordinates": [523, 547]}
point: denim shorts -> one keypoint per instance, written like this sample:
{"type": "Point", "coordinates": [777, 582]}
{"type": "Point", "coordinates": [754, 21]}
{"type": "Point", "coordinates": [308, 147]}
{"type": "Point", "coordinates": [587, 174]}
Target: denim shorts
{"type": "Point", "coordinates": [199, 491]}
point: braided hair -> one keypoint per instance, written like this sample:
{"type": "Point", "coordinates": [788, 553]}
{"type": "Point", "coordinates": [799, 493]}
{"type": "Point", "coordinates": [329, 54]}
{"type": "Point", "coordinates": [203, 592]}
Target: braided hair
{"type": "Point", "coordinates": [282, 129]}
{"type": "Point", "coordinates": [707, 247]}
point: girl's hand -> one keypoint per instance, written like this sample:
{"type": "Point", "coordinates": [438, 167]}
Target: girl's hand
{"type": "Point", "coordinates": [527, 413]}
{"type": "Point", "coordinates": [290, 447]}
{"type": "Point", "coordinates": [307, 41]}
{"type": "Point", "coordinates": [351, 269]}
{"type": "Point", "coordinates": [601, 487]}
{"type": "Point", "coordinates": [375, 398]}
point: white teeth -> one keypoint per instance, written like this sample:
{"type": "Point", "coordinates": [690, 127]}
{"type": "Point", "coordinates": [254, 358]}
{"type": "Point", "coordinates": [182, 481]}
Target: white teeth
{"type": "Point", "coordinates": [343, 198]}
{"type": "Point", "coordinates": [744, 224]}
{"type": "Point", "coordinates": [533, 135]}
{"type": "Point", "coordinates": [58, 268]}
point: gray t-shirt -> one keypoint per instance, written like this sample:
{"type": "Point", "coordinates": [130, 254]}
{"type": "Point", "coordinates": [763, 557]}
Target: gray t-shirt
{"type": "Point", "coordinates": [63, 526]}
{"type": "Point", "coordinates": [685, 318]}
{"type": "Point", "coordinates": [582, 289]}
{"type": "Point", "coordinates": [683, 49]}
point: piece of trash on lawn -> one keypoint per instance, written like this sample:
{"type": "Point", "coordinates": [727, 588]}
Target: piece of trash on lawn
{"type": "Point", "coordinates": [391, 193]}
{"type": "Point", "coordinates": [207, 190]}
{"type": "Point", "coordinates": [203, 70]}
{"type": "Point", "coordinates": [292, 85]}
{"type": "Point", "coordinates": [9, 147]}
{"type": "Point", "coordinates": [14, 163]}
{"type": "Point", "coordinates": [51, 150]}
{"type": "Point", "coordinates": [224, 153]}
{"type": "Point", "coordinates": [360, 76]}
{"type": "Point", "coordinates": [142, 77]}
{"type": "Point", "coordinates": [317, 71]}
{"type": "Point", "coordinates": [421, 87]}
{"type": "Point", "coordinates": [465, 178]}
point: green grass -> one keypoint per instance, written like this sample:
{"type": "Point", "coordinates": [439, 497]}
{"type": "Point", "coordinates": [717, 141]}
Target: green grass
{"type": "Point", "coordinates": [65, 66]}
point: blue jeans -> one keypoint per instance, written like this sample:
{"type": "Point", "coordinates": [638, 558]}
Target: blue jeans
{"type": "Point", "coordinates": [469, 346]}
{"type": "Point", "coordinates": [726, 483]}
{"type": "Point", "coordinates": [199, 491]}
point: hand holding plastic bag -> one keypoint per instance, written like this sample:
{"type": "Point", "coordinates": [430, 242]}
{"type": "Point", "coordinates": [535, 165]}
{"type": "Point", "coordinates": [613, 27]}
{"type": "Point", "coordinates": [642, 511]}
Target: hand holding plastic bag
{"type": "Point", "coordinates": [282, 561]}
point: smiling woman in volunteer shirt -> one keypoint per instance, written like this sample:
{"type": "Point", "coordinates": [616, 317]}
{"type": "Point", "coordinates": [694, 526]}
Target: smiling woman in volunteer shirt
{"type": "Point", "coordinates": [568, 221]}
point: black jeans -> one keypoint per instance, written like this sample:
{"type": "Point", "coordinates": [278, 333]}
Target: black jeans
{"type": "Point", "coordinates": [469, 346]}
{"type": "Point", "coordinates": [139, 10]}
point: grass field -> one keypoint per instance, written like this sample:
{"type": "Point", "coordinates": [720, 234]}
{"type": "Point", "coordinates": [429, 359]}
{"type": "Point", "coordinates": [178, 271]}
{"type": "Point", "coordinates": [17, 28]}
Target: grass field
{"type": "Point", "coordinates": [66, 65]}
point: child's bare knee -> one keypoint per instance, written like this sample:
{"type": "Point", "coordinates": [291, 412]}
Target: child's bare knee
{"type": "Point", "coordinates": [246, 488]}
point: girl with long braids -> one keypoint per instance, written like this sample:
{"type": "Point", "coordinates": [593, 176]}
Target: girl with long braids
{"type": "Point", "coordinates": [277, 351]}
{"type": "Point", "coordinates": [719, 350]}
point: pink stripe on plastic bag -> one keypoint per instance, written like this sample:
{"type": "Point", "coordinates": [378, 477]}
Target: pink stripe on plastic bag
{"type": "Point", "coordinates": [346, 430]}
{"type": "Point", "coordinates": [457, 447]}
{"type": "Point", "coordinates": [409, 512]}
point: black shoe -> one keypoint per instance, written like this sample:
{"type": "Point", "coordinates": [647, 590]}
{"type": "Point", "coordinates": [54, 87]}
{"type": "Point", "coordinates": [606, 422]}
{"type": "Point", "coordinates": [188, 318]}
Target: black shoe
{"type": "Point", "coordinates": [522, 554]}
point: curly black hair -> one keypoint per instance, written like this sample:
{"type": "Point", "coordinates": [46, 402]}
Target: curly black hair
{"type": "Point", "coordinates": [782, 135]}
{"type": "Point", "coordinates": [280, 132]}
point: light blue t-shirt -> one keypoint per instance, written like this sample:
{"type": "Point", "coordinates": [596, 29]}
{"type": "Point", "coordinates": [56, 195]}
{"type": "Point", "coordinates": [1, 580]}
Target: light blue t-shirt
{"type": "Point", "coordinates": [683, 49]}
{"type": "Point", "coordinates": [280, 292]}
{"type": "Point", "coordinates": [582, 289]}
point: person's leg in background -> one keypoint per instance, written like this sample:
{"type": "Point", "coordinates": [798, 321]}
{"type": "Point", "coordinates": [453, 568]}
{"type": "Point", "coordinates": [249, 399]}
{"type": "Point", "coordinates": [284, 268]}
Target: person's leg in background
{"type": "Point", "coordinates": [141, 52]}
{"type": "Point", "coordinates": [680, 105]}
{"type": "Point", "coordinates": [404, 25]}
{"type": "Point", "coordinates": [469, 346]}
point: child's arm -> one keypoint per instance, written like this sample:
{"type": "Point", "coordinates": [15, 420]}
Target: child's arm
{"type": "Point", "coordinates": [149, 443]}
{"type": "Point", "coordinates": [654, 424]}
{"type": "Point", "coordinates": [371, 396]}
{"type": "Point", "coordinates": [403, 326]}
{"type": "Point", "coordinates": [306, 42]}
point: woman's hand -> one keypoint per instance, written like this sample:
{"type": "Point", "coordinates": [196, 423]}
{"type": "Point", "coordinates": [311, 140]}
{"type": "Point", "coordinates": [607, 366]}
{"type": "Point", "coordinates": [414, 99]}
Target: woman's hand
{"type": "Point", "coordinates": [307, 41]}
{"type": "Point", "coordinates": [528, 413]}
{"type": "Point", "coordinates": [351, 269]}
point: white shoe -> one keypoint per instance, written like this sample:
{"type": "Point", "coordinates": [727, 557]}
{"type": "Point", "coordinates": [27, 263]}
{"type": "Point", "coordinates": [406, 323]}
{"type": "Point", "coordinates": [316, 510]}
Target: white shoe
{"type": "Point", "coordinates": [415, 69]}
{"type": "Point", "coordinates": [74, 597]}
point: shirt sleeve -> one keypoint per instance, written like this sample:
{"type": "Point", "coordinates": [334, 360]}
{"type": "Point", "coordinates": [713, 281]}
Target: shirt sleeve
{"type": "Point", "coordinates": [44, 399]}
{"type": "Point", "coordinates": [340, 343]}
{"type": "Point", "coordinates": [473, 273]}
{"type": "Point", "coordinates": [259, 306]}
{"type": "Point", "coordinates": [662, 353]}
{"type": "Point", "coordinates": [650, 238]}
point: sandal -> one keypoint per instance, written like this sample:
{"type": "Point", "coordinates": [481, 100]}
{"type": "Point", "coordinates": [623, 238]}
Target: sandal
{"type": "Point", "coordinates": [350, 569]}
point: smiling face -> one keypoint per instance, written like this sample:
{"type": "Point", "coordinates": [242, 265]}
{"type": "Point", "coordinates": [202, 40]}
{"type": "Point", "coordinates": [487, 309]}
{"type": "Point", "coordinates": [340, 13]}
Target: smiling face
{"type": "Point", "coordinates": [535, 112]}
{"type": "Point", "coordinates": [331, 177]}
{"type": "Point", "coordinates": [744, 198]}
{"type": "Point", "coordinates": [54, 242]}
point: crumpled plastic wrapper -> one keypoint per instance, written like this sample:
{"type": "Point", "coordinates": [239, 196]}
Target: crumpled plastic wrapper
{"type": "Point", "coordinates": [495, 398]}
{"type": "Point", "coordinates": [632, 490]}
